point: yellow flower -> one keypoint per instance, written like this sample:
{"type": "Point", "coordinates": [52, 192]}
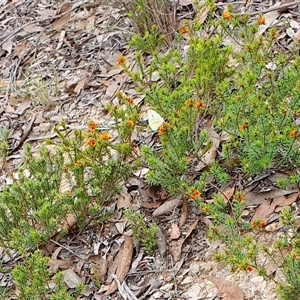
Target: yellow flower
{"type": "Point", "coordinates": [226, 15]}
{"type": "Point", "coordinates": [163, 128]}
{"type": "Point", "coordinates": [105, 136]}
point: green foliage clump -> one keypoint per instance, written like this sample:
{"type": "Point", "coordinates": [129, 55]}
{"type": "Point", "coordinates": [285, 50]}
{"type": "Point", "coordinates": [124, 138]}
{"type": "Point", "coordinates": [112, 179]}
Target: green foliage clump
{"type": "Point", "coordinates": [143, 233]}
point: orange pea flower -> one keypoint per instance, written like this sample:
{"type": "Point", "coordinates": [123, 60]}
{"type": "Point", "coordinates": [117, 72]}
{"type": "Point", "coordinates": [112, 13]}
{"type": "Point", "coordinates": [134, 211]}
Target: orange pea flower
{"type": "Point", "coordinates": [105, 136]}
{"type": "Point", "coordinates": [188, 103]}
{"type": "Point", "coordinates": [120, 60]}
{"type": "Point", "coordinates": [199, 105]}
{"type": "Point", "coordinates": [129, 100]}
{"type": "Point", "coordinates": [92, 126]}
{"type": "Point", "coordinates": [91, 143]}
{"type": "Point", "coordinates": [195, 194]}
{"type": "Point", "coordinates": [261, 20]}
{"type": "Point", "coordinates": [77, 163]}
{"type": "Point", "coordinates": [130, 123]}
{"type": "Point", "coordinates": [293, 133]}
{"type": "Point", "coordinates": [183, 30]}
{"type": "Point", "coordinates": [227, 15]}
{"type": "Point", "coordinates": [243, 127]}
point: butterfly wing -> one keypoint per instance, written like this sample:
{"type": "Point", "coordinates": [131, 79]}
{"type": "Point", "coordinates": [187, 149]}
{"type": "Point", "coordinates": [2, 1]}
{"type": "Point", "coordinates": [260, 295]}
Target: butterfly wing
{"type": "Point", "coordinates": [154, 119]}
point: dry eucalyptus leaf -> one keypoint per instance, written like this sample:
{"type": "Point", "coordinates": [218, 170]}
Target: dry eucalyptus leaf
{"type": "Point", "coordinates": [99, 266]}
{"type": "Point", "coordinates": [81, 85]}
{"type": "Point", "coordinates": [207, 158]}
{"type": "Point", "coordinates": [166, 207]}
{"type": "Point", "coordinates": [124, 260]}
{"type": "Point", "coordinates": [175, 249]}
{"type": "Point", "coordinates": [59, 264]}
{"type": "Point", "coordinates": [71, 279]}
{"type": "Point", "coordinates": [268, 206]}
{"type": "Point", "coordinates": [226, 195]}
{"type": "Point", "coordinates": [255, 198]}
{"type": "Point", "coordinates": [184, 212]}
{"type": "Point", "coordinates": [277, 260]}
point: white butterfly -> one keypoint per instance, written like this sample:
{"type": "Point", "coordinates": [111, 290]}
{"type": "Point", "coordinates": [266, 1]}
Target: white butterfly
{"type": "Point", "coordinates": [154, 119]}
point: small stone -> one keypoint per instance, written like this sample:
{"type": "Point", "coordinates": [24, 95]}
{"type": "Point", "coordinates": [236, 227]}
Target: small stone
{"type": "Point", "coordinates": [257, 279]}
{"type": "Point", "coordinates": [193, 292]}
{"type": "Point", "coordinates": [187, 280]}
{"type": "Point", "coordinates": [194, 268]}
{"type": "Point", "coordinates": [157, 295]}
{"type": "Point", "coordinates": [271, 227]}
{"type": "Point", "coordinates": [167, 287]}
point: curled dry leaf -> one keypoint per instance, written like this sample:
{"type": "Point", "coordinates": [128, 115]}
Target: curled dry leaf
{"type": "Point", "coordinates": [227, 289]}
{"type": "Point", "coordinates": [166, 207]}
{"type": "Point", "coordinates": [124, 260]}
{"type": "Point", "coordinates": [62, 21]}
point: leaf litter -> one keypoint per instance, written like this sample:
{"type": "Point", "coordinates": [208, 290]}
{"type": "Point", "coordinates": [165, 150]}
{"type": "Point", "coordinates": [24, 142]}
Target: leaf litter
{"type": "Point", "coordinates": [61, 37]}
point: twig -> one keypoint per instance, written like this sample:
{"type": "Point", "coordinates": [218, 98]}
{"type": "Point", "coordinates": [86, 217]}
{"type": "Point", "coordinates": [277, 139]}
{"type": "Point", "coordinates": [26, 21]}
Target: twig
{"type": "Point", "coordinates": [280, 8]}
{"type": "Point", "coordinates": [66, 248]}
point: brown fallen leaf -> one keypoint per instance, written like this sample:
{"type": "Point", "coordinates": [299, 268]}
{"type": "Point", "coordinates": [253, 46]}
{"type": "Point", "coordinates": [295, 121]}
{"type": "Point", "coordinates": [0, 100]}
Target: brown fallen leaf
{"type": "Point", "coordinates": [59, 264]}
{"type": "Point", "coordinates": [255, 198]}
{"type": "Point", "coordinates": [175, 249]}
{"type": "Point", "coordinates": [228, 194]}
{"type": "Point", "coordinates": [151, 205]}
{"type": "Point", "coordinates": [71, 279]}
{"type": "Point", "coordinates": [154, 191]}
{"type": "Point", "coordinates": [124, 257]}
{"type": "Point", "coordinates": [99, 267]}
{"type": "Point", "coordinates": [227, 289]}
{"type": "Point", "coordinates": [81, 85]}
{"type": "Point", "coordinates": [207, 158]}
{"type": "Point", "coordinates": [184, 212]}
{"type": "Point", "coordinates": [264, 211]}
{"type": "Point", "coordinates": [62, 21]}
{"type": "Point", "coordinates": [166, 207]}
{"type": "Point", "coordinates": [276, 260]}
